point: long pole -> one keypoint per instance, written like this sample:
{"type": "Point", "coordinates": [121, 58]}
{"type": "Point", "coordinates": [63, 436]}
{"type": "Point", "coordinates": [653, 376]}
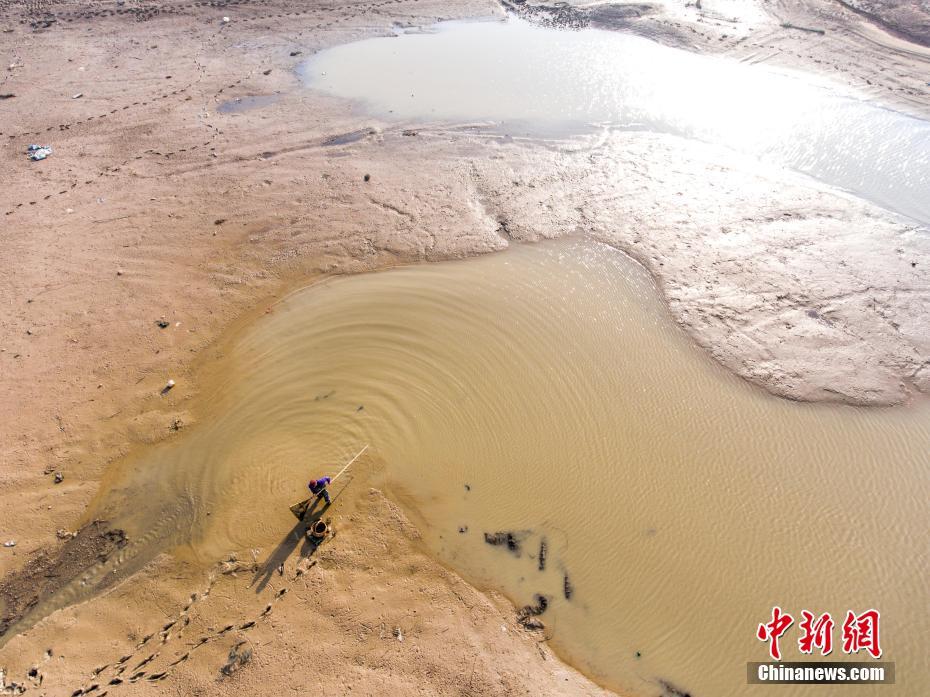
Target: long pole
{"type": "Point", "coordinates": [357, 455]}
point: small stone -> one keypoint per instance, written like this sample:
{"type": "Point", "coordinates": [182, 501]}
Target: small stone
{"type": "Point", "coordinates": [367, 177]}
{"type": "Point", "coordinates": [162, 323]}
{"type": "Point", "coordinates": [399, 635]}
{"type": "Point", "coordinates": [119, 272]}
{"type": "Point", "coordinates": [59, 477]}
{"type": "Point", "coordinates": [9, 543]}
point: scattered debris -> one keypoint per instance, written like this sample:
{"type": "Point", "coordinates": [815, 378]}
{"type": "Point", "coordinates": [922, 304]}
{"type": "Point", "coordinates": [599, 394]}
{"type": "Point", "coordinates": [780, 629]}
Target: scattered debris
{"type": "Point", "coordinates": [176, 425]}
{"type": "Point", "coordinates": [38, 152]}
{"type": "Point", "coordinates": [63, 534]}
{"type": "Point", "coordinates": [9, 688]}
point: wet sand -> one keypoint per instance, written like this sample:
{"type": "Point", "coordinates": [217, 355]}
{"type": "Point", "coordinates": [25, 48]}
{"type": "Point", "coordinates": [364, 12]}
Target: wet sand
{"type": "Point", "coordinates": [153, 206]}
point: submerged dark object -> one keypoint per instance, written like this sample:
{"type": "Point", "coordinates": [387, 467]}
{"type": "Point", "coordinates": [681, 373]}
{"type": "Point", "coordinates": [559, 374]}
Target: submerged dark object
{"type": "Point", "coordinates": [669, 690]}
{"type": "Point", "coordinates": [528, 613]}
{"type": "Point", "coordinates": [543, 548]}
{"type": "Point", "coordinates": [567, 587]}
{"type": "Point", "coordinates": [513, 540]}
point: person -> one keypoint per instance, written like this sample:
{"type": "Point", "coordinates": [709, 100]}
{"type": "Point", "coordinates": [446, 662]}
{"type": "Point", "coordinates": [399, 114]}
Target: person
{"type": "Point", "coordinates": [318, 487]}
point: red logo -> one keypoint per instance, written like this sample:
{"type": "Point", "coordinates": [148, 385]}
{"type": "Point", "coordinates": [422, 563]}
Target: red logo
{"type": "Point", "coordinates": [860, 632]}
{"type": "Point", "coordinates": [773, 631]}
{"type": "Point", "coordinates": [817, 633]}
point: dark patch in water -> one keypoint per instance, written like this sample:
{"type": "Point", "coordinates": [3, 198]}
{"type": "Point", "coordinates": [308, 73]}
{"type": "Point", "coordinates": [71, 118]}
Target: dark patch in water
{"type": "Point", "coordinates": [513, 540]}
{"type": "Point", "coordinates": [527, 614]}
{"type": "Point", "coordinates": [669, 690]}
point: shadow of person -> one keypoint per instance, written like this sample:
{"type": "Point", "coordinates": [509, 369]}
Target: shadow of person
{"type": "Point", "coordinates": [297, 533]}
{"type": "Point", "coordinates": [286, 546]}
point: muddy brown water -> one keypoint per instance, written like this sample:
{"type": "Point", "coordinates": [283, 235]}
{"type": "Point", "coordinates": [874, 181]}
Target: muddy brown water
{"type": "Point", "coordinates": [545, 390]}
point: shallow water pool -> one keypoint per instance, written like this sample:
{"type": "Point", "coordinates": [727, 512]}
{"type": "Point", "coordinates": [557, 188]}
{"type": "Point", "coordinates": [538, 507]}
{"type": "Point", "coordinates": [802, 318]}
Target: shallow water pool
{"type": "Point", "coordinates": [546, 391]}
{"type": "Point", "coordinates": [537, 79]}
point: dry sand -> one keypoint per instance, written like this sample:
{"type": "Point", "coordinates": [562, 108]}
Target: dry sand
{"type": "Point", "coordinates": [155, 206]}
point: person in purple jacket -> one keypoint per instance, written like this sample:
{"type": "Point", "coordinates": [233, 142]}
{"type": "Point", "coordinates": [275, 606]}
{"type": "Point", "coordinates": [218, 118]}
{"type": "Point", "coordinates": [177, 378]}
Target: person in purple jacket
{"type": "Point", "coordinates": [318, 487]}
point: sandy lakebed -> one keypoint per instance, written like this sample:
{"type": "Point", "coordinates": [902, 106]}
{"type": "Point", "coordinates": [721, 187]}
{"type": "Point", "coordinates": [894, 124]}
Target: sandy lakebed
{"type": "Point", "coordinates": [195, 181]}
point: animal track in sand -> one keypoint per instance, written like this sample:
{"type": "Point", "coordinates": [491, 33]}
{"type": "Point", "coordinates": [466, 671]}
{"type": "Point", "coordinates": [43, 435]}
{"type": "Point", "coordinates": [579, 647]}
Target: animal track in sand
{"type": "Point", "coordinates": [183, 617]}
